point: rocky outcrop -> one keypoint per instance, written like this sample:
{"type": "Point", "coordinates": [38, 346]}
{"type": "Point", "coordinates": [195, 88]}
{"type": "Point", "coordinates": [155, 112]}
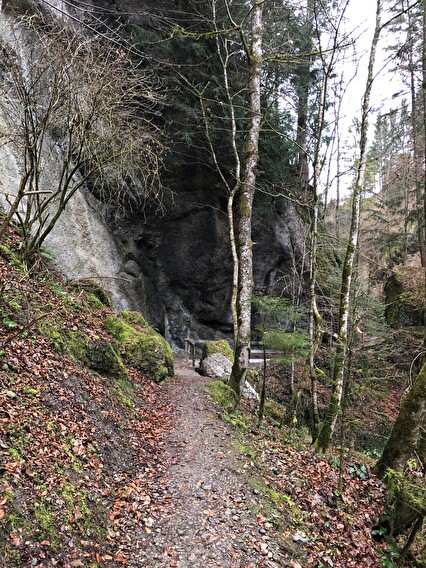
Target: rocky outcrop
{"type": "Point", "coordinates": [404, 298]}
{"type": "Point", "coordinates": [185, 256]}
{"type": "Point", "coordinates": [174, 266]}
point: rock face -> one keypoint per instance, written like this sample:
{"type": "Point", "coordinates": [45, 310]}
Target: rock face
{"type": "Point", "coordinates": [174, 267]}
{"type": "Point", "coordinates": [404, 298]}
{"type": "Point", "coordinates": [185, 257]}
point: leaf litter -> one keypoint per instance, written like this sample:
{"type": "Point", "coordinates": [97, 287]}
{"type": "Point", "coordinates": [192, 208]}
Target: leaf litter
{"type": "Point", "coordinates": [85, 480]}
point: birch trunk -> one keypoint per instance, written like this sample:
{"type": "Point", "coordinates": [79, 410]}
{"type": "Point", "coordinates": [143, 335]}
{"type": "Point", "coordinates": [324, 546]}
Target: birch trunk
{"type": "Point", "coordinates": [244, 203]}
{"type": "Point", "coordinates": [326, 432]}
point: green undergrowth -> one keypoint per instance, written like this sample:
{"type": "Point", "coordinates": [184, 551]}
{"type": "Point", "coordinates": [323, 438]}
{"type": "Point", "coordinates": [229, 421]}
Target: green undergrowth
{"type": "Point", "coordinates": [224, 396]}
{"type": "Point", "coordinates": [277, 506]}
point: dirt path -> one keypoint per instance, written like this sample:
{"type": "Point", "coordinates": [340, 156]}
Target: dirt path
{"type": "Point", "coordinates": [211, 519]}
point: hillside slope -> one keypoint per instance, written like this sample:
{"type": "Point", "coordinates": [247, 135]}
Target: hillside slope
{"type": "Point", "coordinates": [79, 450]}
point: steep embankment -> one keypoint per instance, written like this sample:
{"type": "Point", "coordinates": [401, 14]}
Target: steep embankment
{"type": "Point", "coordinates": [81, 429]}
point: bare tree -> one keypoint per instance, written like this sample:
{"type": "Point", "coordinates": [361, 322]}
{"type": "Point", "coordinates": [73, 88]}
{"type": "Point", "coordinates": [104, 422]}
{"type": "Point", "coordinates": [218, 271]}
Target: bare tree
{"type": "Point", "coordinates": [76, 104]}
{"type": "Point", "coordinates": [324, 437]}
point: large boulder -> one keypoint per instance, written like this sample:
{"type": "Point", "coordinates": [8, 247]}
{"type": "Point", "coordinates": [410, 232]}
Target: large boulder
{"type": "Point", "coordinates": [141, 346]}
{"type": "Point", "coordinates": [216, 365]}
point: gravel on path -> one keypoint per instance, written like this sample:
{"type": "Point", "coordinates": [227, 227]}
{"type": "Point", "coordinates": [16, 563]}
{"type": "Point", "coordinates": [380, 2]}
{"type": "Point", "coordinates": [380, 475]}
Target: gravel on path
{"type": "Point", "coordinates": [210, 520]}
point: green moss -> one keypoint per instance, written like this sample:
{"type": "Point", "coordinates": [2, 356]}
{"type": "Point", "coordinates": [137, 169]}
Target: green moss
{"type": "Point", "coordinates": [135, 318]}
{"type": "Point", "coordinates": [125, 391]}
{"type": "Point", "coordinates": [223, 395]}
{"type": "Point", "coordinates": [253, 377]}
{"type": "Point", "coordinates": [29, 390]}
{"type": "Point", "coordinates": [99, 355]}
{"type": "Point", "coordinates": [141, 346]}
{"type": "Point", "coordinates": [220, 346]}
{"type": "Point", "coordinates": [12, 258]}
{"type": "Point", "coordinates": [405, 299]}
{"type": "Point", "coordinates": [94, 291]}
{"type": "Point", "coordinates": [121, 331]}
{"type": "Point", "coordinates": [103, 357]}
{"type": "Point", "coordinates": [245, 450]}
{"type": "Point", "coordinates": [94, 302]}
{"type": "Point", "coordinates": [15, 454]}
{"type": "Point", "coordinates": [274, 410]}
{"type": "Point", "coordinates": [279, 500]}
{"type": "Point", "coordinates": [18, 438]}
{"type": "Point", "coordinates": [44, 523]}
{"type": "Point", "coordinates": [237, 420]}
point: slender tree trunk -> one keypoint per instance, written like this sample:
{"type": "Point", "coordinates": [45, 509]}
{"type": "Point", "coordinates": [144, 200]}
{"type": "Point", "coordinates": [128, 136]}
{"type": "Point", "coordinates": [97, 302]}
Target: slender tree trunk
{"type": "Point", "coordinates": [324, 437]}
{"type": "Point", "coordinates": [418, 157]}
{"type": "Point", "coordinates": [407, 431]}
{"type": "Point", "coordinates": [263, 391]}
{"type": "Point", "coordinates": [245, 204]}
{"type": "Point", "coordinates": [424, 136]}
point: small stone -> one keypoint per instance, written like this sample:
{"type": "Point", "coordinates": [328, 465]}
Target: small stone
{"type": "Point", "coordinates": [207, 487]}
{"type": "Point", "coordinates": [256, 491]}
{"type": "Point", "coordinates": [300, 538]}
{"type": "Point", "coordinates": [264, 548]}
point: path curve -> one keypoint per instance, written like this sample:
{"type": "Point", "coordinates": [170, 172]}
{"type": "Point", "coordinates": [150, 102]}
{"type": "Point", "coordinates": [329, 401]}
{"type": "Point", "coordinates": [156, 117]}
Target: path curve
{"type": "Point", "coordinates": [211, 519]}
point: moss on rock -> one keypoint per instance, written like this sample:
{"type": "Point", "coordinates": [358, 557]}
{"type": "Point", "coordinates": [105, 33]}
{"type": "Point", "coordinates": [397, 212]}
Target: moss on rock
{"type": "Point", "coordinates": [220, 346]}
{"type": "Point", "coordinates": [99, 355]}
{"type": "Point", "coordinates": [103, 356]}
{"type": "Point", "coordinates": [141, 346]}
{"type": "Point", "coordinates": [404, 298]}
{"type": "Point", "coordinates": [94, 290]}
{"type": "Point", "coordinates": [223, 395]}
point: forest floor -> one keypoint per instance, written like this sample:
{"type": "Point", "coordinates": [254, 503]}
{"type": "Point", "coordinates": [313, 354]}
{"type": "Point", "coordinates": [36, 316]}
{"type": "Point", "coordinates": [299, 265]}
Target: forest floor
{"type": "Point", "coordinates": [240, 497]}
{"type": "Point", "coordinates": [101, 472]}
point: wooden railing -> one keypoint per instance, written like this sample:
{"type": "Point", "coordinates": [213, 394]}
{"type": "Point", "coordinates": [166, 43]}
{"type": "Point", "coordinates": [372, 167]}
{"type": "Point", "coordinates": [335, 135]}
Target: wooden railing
{"type": "Point", "coordinates": [190, 351]}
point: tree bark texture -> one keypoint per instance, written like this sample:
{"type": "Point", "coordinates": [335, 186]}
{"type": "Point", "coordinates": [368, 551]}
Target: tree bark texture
{"type": "Point", "coordinates": [244, 203]}
{"type": "Point", "coordinates": [406, 435]}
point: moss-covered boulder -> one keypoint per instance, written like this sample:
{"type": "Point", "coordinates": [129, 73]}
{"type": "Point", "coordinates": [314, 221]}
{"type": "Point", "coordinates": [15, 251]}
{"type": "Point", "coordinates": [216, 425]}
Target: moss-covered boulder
{"type": "Point", "coordinates": [141, 346]}
{"type": "Point", "coordinates": [103, 357]}
{"type": "Point", "coordinates": [100, 355]}
{"type": "Point", "coordinates": [220, 346]}
{"type": "Point", "coordinates": [96, 295]}
{"type": "Point", "coordinates": [404, 296]}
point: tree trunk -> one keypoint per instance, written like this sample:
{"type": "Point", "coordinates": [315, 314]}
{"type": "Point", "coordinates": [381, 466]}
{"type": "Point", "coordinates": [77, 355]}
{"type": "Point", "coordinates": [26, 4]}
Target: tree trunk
{"type": "Point", "coordinates": [406, 434]}
{"type": "Point", "coordinates": [424, 134]}
{"type": "Point", "coordinates": [418, 158]}
{"type": "Point", "coordinates": [324, 437]}
{"type": "Point", "coordinates": [245, 203]}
